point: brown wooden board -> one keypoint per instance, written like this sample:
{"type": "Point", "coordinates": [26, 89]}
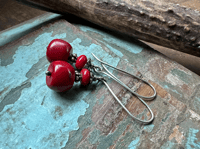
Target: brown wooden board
{"type": "Point", "coordinates": [33, 116]}
{"type": "Point", "coordinates": [159, 22]}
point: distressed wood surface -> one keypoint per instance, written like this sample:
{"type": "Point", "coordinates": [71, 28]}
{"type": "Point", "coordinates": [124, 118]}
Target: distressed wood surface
{"type": "Point", "coordinates": [13, 13]}
{"type": "Point", "coordinates": [26, 27]}
{"type": "Point", "coordinates": [158, 22]}
{"type": "Point", "coordinates": [33, 116]}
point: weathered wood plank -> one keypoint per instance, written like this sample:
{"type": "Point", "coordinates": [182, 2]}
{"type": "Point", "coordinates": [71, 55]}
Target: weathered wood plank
{"type": "Point", "coordinates": [24, 28]}
{"type": "Point", "coordinates": [13, 13]}
{"type": "Point", "coordinates": [33, 116]}
{"type": "Point", "coordinates": [159, 22]}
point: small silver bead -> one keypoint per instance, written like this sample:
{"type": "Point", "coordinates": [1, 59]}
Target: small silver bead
{"type": "Point", "coordinates": [89, 69]}
{"type": "Point", "coordinates": [75, 55]}
{"type": "Point", "coordinates": [73, 59]}
{"type": "Point", "coordinates": [48, 73]}
{"type": "Point", "coordinates": [94, 79]}
{"type": "Point", "coordinates": [78, 74]}
{"type": "Point", "coordinates": [77, 79]}
{"type": "Point", "coordinates": [89, 61]}
{"type": "Point", "coordinates": [91, 75]}
{"type": "Point", "coordinates": [91, 80]}
{"type": "Point", "coordinates": [86, 65]}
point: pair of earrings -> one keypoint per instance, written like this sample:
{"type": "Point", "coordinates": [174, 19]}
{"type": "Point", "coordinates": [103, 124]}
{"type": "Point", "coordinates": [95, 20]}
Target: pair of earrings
{"type": "Point", "coordinates": [61, 75]}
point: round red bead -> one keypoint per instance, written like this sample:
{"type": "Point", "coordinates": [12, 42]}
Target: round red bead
{"type": "Point", "coordinates": [61, 76]}
{"type": "Point", "coordinates": [81, 61]}
{"type": "Point", "coordinates": [58, 50]}
{"type": "Point", "coordinates": [85, 73]}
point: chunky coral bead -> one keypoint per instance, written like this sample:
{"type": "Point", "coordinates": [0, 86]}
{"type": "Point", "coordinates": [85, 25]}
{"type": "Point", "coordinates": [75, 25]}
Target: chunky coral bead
{"type": "Point", "coordinates": [81, 61]}
{"type": "Point", "coordinates": [85, 73]}
{"type": "Point", "coordinates": [61, 76]}
{"type": "Point", "coordinates": [58, 50]}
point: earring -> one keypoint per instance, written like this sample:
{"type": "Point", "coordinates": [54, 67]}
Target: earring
{"type": "Point", "coordinates": [61, 75]}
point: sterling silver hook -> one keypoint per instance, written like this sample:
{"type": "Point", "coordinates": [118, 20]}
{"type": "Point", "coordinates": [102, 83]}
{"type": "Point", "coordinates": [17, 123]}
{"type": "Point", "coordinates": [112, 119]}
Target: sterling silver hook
{"type": "Point", "coordinates": [117, 80]}
{"type": "Point", "coordinates": [143, 121]}
{"type": "Point", "coordinates": [108, 73]}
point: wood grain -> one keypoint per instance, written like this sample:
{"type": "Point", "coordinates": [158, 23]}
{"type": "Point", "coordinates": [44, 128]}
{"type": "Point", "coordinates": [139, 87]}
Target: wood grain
{"type": "Point", "coordinates": [13, 13]}
{"type": "Point", "coordinates": [162, 23]}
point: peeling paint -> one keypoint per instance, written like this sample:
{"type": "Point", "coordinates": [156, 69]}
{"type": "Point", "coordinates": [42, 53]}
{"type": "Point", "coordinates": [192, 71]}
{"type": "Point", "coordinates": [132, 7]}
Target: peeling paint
{"type": "Point", "coordinates": [179, 137]}
{"type": "Point", "coordinates": [134, 143]}
{"type": "Point", "coordinates": [38, 109]}
{"type": "Point", "coordinates": [118, 53]}
{"type": "Point", "coordinates": [168, 145]}
{"type": "Point", "coordinates": [182, 75]}
{"type": "Point", "coordinates": [32, 118]}
{"type": "Point", "coordinates": [19, 30]}
{"type": "Point", "coordinates": [101, 99]}
{"type": "Point", "coordinates": [194, 115]}
{"type": "Point", "coordinates": [24, 59]}
{"type": "Point", "coordinates": [175, 91]}
{"type": "Point", "coordinates": [131, 47]}
{"type": "Point", "coordinates": [164, 128]}
{"type": "Point", "coordinates": [94, 136]}
{"type": "Point", "coordinates": [149, 128]}
{"type": "Point", "coordinates": [13, 95]}
{"type": "Point", "coordinates": [174, 80]}
{"type": "Point", "coordinates": [158, 68]}
{"type": "Point", "coordinates": [177, 104]}
{"type": "Point", "coordinates": [196, 103]}
{"type": "Point", "coordinates": [192, 141]}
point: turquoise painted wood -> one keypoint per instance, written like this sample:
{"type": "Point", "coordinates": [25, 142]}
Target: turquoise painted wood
{"type": "Point", "coordinates": [24, 28]}
{"type": "Point", "coordinates": [33, 116]}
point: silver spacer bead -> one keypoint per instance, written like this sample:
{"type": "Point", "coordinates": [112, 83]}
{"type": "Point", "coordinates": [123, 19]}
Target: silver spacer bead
{"type": "Point", "coordinates": [91, 80]}
{"type": "Point", "coordinates": [77, 79]}
{"type": "Point", "coordinates": [75, 55]}
{"type": "Point", "coordinates": [91, 75]}
{"type": "Point", "coordinates": [48, 73]}
{"type": "Point", "coordinates": [89, 62]}
{"type": "Point", "coordinates": [73, 59]}
{"type": "Point", "coordinates": [95, 78]}
{"type": "Point", "coordinates": [77, 73]}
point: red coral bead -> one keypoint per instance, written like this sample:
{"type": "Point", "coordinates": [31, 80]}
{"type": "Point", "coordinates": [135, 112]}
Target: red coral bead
{"type": "Point", "coordinates": [81, 61]}
{"type": "Point", "coordinates": [85, 73]}
{"type": "Point", "coordinates": [61, 76]}
{"type": "Point", "coordinates": [58, 50]}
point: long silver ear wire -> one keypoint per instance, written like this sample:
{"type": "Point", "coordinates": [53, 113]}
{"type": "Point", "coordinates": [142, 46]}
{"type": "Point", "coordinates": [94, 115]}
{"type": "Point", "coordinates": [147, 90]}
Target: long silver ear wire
{"type": "Point", "coordinates": [98, 69]}
{"type": "Point", "coordinates": [117, 80]}
{"type": "Point", "coordinates": [142, 121]}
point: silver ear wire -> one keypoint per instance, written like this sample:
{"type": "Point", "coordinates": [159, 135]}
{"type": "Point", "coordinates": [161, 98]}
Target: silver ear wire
{"type": "Point", "coordinates": [98, 69]}
{"type": "Point", "coordinates": [117, 80]}
{"type": "Point", "coordinates": [142, 121]}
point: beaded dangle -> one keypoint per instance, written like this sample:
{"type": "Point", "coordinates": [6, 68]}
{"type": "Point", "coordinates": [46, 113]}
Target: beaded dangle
{"type": "Point", "coordinates": [61, 75]}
